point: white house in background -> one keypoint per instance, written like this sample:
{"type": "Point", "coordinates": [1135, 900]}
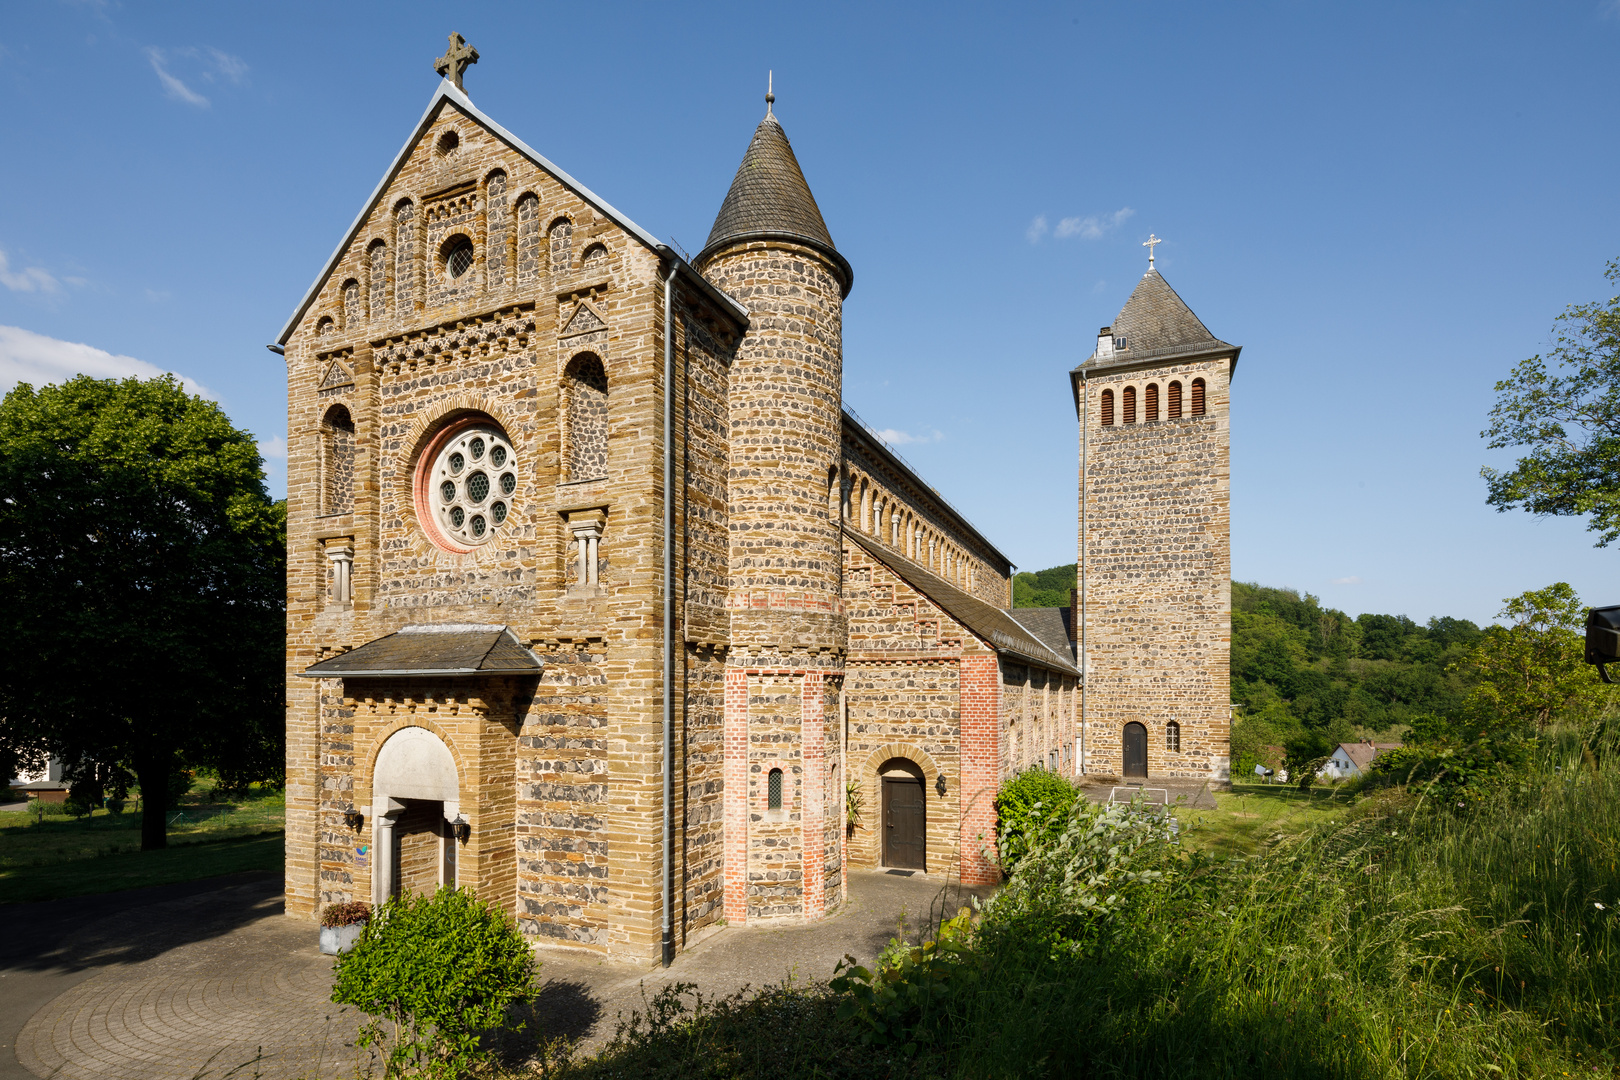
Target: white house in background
{"type": "Point", "coordinates": [1353, 759]}
{"type": "Point", "coordinates": [46, 784]}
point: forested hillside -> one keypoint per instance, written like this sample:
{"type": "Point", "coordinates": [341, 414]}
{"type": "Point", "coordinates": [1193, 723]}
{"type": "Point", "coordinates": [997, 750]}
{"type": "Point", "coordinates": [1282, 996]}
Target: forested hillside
{"type": "Point", "coordinates": [1305, 677]}
{"type": "Point", "coordinates": [1044, 588]}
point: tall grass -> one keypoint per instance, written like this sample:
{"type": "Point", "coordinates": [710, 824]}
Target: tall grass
{"type": "Point", "coordinates": [1407, 940]}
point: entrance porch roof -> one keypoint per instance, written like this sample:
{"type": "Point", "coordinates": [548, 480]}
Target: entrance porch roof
{"type": "Point", "coordinates": [461, 649]}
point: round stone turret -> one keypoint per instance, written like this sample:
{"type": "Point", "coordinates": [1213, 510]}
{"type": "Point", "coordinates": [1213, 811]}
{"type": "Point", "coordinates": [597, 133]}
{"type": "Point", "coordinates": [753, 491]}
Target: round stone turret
{"type": "Point", "coordinates": [770, 250]}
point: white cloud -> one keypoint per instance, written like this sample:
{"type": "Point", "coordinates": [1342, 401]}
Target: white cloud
{"type": "Point", "coordinates": [1037, 229]}
{"type": "Point", "coordinates": [273, 448]}
{"type": "Point", "coordinates": [176, 89]}
{"type": "Point", "coordinates": [34, 358]}
{"type": "Point", "coordinates": [1347, 580]}
{"type": "Point", "coordinates": [209, 64]}
{"type": "Point", "coordinates": [904, 438]}
{"type": "Point", "coordinates": [29, 279]}
{"type": "Point", "coordinates": [1090, 228]}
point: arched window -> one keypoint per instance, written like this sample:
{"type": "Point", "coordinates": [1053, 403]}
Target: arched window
{"type": "Point", "coordinates": [1198, 397]}
{"type": "Point", "coordinates": [595, 259]}
{"type": "Point", "coordinates": [495, 218]}
{"type": "Point", "coordinates": [378, 260]}
{"type": "Point", "coordinates": [562, 244]}
{"type": "Point", "coordinates": [773, 790]}
{"type": "Point", "coordinates": [585, 389]}
{"type": "Point", "coordinates": [351, 303]}
{"type": "Point", "coordinates": [404, 252]}
{"type": "Point", "coordinates": [1172, 737]}
{"type": "Point", "coordinates": [1107, 408]}
{"type": "Point", "coordinates": [1150, 402]}
{"type": "Point", "coordinates": [528, 236]}
{"type": "Point", "coordinates": [337, 461]}
{"type": "Point", "coordinates": [1175, 401]}
{"type": "Point", "coordinates": [1130, 405]}
{"type": "Point", "coordinates": [457, 255]}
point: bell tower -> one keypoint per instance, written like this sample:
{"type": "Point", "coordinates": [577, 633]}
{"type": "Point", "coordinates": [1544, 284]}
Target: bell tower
{"type": "Point", "coordinates": [771, 251]}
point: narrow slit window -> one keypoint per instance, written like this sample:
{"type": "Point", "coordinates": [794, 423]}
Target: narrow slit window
{"type": "Point", "coordinates": [1175, 401]}
{"type": "Point", "coordinates": [1198, 397]}
{"type": "Point", "coordinates": [1108, 408]}
{"type": "Point", "coordinates": [1130, 405]}
{"type": "Point", "coordinates": [773, 790]}
{"type": "Point", "coordinates": [1172, 737]}
{"type": "Point", "coordinates": [1150, 402]}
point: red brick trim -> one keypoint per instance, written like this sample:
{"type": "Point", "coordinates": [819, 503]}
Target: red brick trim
{"type": "Point", "coordinates": [981, 754]}
{"type": "Point", "coordinates": [813, 814]}
{"type": "Point", "coordinates": [734, 797]}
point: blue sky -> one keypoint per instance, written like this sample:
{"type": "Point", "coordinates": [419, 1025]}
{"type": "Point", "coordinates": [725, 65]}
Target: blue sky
{"type": "Point", "coordinates": [1386, 205]}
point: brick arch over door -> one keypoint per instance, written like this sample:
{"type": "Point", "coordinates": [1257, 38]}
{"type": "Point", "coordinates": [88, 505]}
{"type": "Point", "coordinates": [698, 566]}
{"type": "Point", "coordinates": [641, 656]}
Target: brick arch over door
{"type": "Point", "coordinates": [942, 812]}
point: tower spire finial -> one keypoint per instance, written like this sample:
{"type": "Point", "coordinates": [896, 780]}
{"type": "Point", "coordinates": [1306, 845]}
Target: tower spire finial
{"type": "Point", "coordinates": [770, 93]}
{"type": "Point", "coordinates": [1150, 243]}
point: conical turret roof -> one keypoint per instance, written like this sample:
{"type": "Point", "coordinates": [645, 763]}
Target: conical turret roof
{"type": "Point", "coordinates": [769, 199]}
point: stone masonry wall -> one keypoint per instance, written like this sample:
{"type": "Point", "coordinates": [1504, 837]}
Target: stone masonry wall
{"type": "Point", "coordinates": [1159, 591]}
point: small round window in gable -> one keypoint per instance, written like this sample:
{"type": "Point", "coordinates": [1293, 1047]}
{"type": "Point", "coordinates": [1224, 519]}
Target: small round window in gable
{"type": "Point", "coordinates": [458, 257]}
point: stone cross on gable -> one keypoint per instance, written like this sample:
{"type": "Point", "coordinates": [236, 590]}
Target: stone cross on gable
{"type": "Point", "coordinates": [455, 60]}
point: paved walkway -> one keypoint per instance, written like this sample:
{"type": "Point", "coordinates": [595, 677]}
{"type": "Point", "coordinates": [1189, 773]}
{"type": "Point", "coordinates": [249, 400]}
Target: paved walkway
{"type": "Point", "coordinates": [193, 981]}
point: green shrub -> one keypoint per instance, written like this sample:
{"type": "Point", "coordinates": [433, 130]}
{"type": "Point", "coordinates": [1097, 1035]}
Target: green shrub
{"type": "Point", "coordinates": [435, 974]}
{"type": "Point", "coordinates": [1030, 807]}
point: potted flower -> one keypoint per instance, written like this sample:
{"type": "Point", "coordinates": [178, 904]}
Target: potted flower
{"type": "Point", "coordinates": [342, 925]}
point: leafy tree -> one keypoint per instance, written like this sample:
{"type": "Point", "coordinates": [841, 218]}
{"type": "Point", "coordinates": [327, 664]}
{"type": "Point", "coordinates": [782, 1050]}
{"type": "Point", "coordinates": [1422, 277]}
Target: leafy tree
{"type": "Point", "coordinates": [1533, 671]}
{"type": "Point", "coordinates": [143, 572]}
{"type": "Point", "coordinates": [1567, 414]}
{"type": "Point", "coordinates": [1045, 588]}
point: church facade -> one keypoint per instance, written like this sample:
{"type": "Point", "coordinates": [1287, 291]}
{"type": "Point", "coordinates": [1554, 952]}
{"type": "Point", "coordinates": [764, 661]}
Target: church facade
{"type": "Point", "coordinates": [600, 602]}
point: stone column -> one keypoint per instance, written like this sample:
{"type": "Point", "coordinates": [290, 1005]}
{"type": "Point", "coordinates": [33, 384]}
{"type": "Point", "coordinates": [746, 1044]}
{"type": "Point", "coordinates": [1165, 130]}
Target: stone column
{"type": "Point", "coordinates": [342, 558]}
{"type": "Point", "coordinates": [384, 816]}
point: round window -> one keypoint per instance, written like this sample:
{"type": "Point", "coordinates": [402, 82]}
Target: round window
{"type": "Point", "coordinates": [463, 511]}
{"type": "Point", "coordinates": [459, 259]}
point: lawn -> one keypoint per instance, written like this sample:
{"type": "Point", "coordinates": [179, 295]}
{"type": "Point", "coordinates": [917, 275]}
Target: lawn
{"type": "Point", "coordinates": [54, 857]}
{"type": "Point", "coordinates": [1250, 816]}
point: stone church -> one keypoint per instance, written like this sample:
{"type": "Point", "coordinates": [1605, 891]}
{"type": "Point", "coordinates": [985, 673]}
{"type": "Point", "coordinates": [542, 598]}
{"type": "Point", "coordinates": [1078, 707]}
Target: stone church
{"type": "Point", "coordinates": [602, 604]}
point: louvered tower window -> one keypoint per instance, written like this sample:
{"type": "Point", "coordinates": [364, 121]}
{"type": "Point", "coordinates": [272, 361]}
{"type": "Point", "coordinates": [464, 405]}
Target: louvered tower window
{"type": "Point", "coordinates": [1198, 397]}
{"type": "Point", "coordinates": [1175, 401]}
{"type": "Point", "coordinates": [773, 790]}
{"type": "Point", "coordinates": [1150, 402]}
{"type": "Point", "coordinates": [1108, 408]}
{"type": "Point", "coordinates": [1130, 405]}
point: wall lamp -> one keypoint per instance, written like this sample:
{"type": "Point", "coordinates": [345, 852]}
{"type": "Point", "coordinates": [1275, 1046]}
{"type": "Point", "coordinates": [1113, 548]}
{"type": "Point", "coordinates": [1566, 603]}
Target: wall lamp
{"type": "Point", "coordinates": [460, 829]}
{"type": "Point", "coordinates": [353, 818]}
{"type": "Point", "coordinates": [939, 785]}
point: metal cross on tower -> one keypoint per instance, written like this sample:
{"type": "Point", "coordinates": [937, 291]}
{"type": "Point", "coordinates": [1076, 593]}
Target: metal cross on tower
{"type": "Point", "coordinates": [1149, 243]}
{"type": "Point", "coordinates": [455, 60]}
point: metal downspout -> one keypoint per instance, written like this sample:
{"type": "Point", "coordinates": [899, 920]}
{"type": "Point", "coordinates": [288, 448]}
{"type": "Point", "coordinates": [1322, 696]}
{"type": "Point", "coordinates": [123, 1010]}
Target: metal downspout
{"type": "Point", "coordinates": [1085, 478]}
{"type": "Point", "coordinates": [669, 609]}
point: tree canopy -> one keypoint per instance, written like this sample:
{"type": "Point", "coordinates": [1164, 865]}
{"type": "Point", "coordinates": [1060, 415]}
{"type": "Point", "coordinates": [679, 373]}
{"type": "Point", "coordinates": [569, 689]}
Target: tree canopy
{"type": "Point", "coordinates": [1044, 588]}
{"type": "Point", "coordinates": [1565, 409]}
{"type": "Point", "coordinates": [143, 570]}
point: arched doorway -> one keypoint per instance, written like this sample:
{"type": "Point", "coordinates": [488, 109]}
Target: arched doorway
{"type": "Point", "coordinates": [1135, 750]}
{"type": "Point", "coordinates": [415, 797]}
{"type": "Point", "coordinates": [905, 815]}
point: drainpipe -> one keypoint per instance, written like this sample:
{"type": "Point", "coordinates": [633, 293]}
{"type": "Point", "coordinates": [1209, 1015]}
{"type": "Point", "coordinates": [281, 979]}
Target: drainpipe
{"type": "Point", "coordinates": [669, 604]}
{"type": "Point", "coordinates": [1085, 478]}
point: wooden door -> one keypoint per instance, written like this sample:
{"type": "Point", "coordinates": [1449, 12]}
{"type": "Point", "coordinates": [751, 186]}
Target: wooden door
{"type": "Point", "coordinates": [904, 822]}
{"type": "Point", "coordinates": [1135, 750]}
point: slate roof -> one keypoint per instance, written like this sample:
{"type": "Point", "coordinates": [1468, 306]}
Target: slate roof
{"type": "Point", "coordinates": [769, 199]}
{"type": "Point", "coordinates": [1157, 325]}
{"type": "Point", "coordinates": [1051, 625]}
{"type": "Point", "coordinates": [1361, 754]}
{"type": "Point", "coordinates": [448, 94]}
{"type": "Point", "coordinates": [444, 649]}
{"type": "Point", "coordinates": [994, 626]}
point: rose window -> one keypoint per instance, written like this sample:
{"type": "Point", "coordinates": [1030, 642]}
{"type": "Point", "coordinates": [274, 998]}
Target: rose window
{"type": "Point", "coordinates": [473, 477]}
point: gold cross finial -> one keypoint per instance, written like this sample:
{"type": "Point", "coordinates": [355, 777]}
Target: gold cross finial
{"type": "Point", "coordinates": [1150, 243]}
{"type": "Point", "coordinates": [455, 60]}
